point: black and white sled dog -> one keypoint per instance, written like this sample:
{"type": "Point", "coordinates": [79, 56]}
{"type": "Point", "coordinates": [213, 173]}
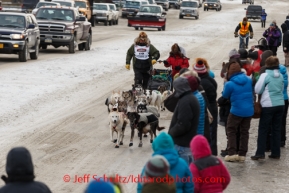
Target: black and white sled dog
{"type": "Point", "coordinates": [143, 108]}
{"type": "Point", "coordinates": [154, 98]}
{"type": "Point", "coordinates": [138, 90]}
{"type": "Point", "coordinates": [117, 123]}
{"type": "Point", "coordinates": [144, 123]}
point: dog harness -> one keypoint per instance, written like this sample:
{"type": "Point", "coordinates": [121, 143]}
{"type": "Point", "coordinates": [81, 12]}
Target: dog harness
{"type": "Point", "coordinates": [147, 118]}
{"type": "Point", "coordinates": [141, 52]}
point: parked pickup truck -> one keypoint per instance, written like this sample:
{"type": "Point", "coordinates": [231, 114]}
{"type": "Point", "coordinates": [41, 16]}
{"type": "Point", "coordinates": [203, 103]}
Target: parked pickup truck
{"type": "Point", "coordinates": [19, 34]}
{"type": "Point", "coordinates": [63, 26]}
{"type": "Point", "coordinates": [103, 13]}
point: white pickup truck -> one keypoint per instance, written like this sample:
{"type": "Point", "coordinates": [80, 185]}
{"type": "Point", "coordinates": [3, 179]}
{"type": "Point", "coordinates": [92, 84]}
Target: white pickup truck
{"type": "Point", "coordinates": [115, 13]}
{"type": "Point", "coordinates": [103, 13]}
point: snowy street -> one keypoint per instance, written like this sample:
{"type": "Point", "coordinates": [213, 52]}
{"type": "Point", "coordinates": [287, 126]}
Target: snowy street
{"type": "Point", "coordinates": [54, 106]}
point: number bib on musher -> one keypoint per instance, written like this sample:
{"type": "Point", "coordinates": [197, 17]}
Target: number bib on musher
{"type": "Point", "coordinates": [141, 52]}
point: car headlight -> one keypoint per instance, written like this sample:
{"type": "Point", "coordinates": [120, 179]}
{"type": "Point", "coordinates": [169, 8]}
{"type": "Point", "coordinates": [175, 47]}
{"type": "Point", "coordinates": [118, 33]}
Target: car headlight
{"type": "Point", "coordinates": [215, 5]}
{"type": "Point", "coordinates": [136, 10]}
{"type": "Point", "coordinates": [206, 4]}
{"type": "Point", "coordinates": [16, 36]}
{"type": "Point", "coordinates": [69, 31]}
{"type": "Point", "coordinates": [124, 9]}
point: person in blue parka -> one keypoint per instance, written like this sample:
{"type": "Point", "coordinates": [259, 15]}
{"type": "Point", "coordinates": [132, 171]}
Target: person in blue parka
{"type": "Point", "coordinates": [164, 145]}
{"type": "Point", "coordinates": [239, 90]}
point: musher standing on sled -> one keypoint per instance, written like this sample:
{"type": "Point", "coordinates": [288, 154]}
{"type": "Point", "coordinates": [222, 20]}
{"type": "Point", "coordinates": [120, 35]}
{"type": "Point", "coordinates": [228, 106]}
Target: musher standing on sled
{"type": "Point", "coordinates": [244, 27]}
{"type": "Point", "coordinates": [144, 56]}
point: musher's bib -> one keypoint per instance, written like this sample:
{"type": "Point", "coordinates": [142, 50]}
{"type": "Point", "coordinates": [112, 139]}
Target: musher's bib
{"type": "Point", "coordinates": [141, 52]}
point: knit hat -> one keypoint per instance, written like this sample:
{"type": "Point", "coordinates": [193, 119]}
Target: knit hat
{"type": "Point", "coordinates": [245, 19]}
{"type": "Point", "coordinates": [100, 186]}
{"type": "Point", "coordinates": [193, 82]}
{"type": "Point", "coordinates": [233, 68]}
{"type": "Point", "coordinates": [157, 166]}
{"type": "Point", "coordinates": [200, 67]}
{"type": "Point", "coordinates": [234, 54]}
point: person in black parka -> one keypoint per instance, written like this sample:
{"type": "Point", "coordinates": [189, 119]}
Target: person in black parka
{"type": "Point", "coordinates": [185, 120]}
{"type": "Point", "coordinates": [210, 86]}
{"type": "Point", "coordinates": [19, 168]}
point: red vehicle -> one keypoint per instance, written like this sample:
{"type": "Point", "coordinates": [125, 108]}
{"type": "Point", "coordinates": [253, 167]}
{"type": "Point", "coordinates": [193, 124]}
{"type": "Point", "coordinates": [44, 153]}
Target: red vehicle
{"type": "Point", "coordinates": [149, 16]}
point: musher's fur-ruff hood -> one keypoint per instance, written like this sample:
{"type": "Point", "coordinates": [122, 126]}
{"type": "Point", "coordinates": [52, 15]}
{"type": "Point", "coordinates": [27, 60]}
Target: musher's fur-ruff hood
{"type": "Point", "coordinates": [144, 36]}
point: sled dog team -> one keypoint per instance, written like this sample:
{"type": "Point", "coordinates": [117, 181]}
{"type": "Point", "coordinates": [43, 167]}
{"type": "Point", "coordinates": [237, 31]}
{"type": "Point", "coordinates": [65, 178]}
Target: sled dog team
{"type": "Point", "coordinates": [141, 108]}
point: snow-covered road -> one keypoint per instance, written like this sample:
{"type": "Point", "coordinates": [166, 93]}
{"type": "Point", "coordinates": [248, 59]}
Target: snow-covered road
{"type": "Point", "coordinates": [55, 106]}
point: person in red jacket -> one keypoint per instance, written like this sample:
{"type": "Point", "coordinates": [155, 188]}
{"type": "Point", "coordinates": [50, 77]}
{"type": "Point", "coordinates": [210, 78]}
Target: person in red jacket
{"type": "Point", "coordinates": [209, 172]}
{"type": "Point", "coordinates": [176, 60]}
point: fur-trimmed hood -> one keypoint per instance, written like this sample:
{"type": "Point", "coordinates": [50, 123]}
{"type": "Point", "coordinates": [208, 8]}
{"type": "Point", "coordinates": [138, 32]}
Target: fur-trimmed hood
{"type": "Point", "coordinates": [136, 41]}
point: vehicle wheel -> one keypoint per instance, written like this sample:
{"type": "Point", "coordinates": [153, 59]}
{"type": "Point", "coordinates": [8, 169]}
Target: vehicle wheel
{"type": "Point", "coordinates": [23, 54]}
{"type": "Point", "coordinates": [204, 9]}
{"type": "Point", "coordinates": [110, 22]}
{"type": "Point", "coordinates": [136, 28]}
{"type": "Point", "coordinates": [44, 47]}
{"type": "Point", "coordinates": [159, 29]}
{"type": "Point", "coordinates": [88, 42]}
{"type": "Point", "coordinates": [116, 22]}
{"type": "Point", "coordinates": [181, 17]}
{"type": "Point", "coordinates": [71, 46]}
{"type": "Point", "coordinates": [105, 23]}
{"type": "Point", "coordinates": [164, 28]}
{"type": "Point", "coordinates": [81, 46]}
{"type": "Point", "coordinates": [141, 28]}
{"type": "Point", "coordinates": [34, 55]}
{"type": "Point", "coordinates": [197, 17]}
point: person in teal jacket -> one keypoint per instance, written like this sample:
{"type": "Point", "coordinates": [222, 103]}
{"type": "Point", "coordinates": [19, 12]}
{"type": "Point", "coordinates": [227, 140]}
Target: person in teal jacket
{"type": "Point", "coordinates": [179, 169]}
{"type": "Point", "coordinates": [270, 86]}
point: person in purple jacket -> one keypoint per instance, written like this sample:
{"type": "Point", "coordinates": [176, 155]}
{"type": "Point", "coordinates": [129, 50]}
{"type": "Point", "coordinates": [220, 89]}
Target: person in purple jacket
{"type": "Point", "coordinates": [272, 36]}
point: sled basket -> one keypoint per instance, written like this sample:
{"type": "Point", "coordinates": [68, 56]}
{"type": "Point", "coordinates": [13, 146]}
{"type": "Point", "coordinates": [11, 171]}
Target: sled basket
{"type": "Point", "coordinates": [160, 77]}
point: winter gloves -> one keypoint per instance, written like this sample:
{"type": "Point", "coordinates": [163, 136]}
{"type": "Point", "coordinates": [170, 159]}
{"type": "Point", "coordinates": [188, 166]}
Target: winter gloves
{"type": "Point", "coordinates": [153, 61]}
{"type": "Point", "coordinates": [251, 35]}
{"type": "Point", "coordinates": [127, 66]}
{"type": "Point", "coordinates": [236, 34]}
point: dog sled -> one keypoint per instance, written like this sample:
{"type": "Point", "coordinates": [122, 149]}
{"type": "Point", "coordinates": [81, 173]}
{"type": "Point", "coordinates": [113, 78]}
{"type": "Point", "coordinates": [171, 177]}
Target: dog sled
{"type": "Point", "coordinates": [161, 77]}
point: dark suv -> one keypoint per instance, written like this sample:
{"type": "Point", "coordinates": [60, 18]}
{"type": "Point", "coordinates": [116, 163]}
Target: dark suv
{"type": "Point", "coordinates": [254, 12]}
{"type": "Point", "coordinates": [247, 1]}
{"type": "Point", "coordinates": [212, 4]}
{"type": "Point", "coordinates": [19, 34]}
